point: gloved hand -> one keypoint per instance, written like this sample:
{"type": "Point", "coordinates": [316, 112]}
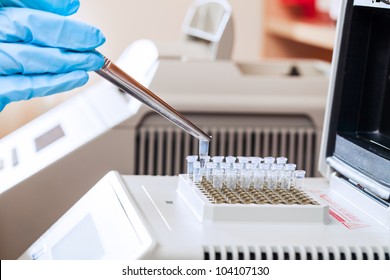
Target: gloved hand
{"type": "Point", "coordinates": [43, 52]}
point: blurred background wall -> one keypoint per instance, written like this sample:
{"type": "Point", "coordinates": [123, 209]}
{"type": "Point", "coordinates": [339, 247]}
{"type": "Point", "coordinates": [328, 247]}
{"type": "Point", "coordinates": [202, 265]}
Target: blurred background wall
{"type": "Point", "coordinates": [124, 21]}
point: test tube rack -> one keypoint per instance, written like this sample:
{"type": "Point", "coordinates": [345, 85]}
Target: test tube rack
{"type": "Point", "coordinates": [251, 205]}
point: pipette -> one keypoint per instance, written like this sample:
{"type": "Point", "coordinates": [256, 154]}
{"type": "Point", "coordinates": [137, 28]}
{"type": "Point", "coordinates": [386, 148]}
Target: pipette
{"type": "Point", "coordinates": [121, 79]}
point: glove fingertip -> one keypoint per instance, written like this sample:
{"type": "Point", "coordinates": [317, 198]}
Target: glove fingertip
{"type": "Point", "coordinates": [78, 77]}
{"type": "Point", "coordinates": [100, 61]}
{"type": "Point", "coordinates": [96, 40]}
{"type": "Point", "coordinates": [61, 7]}
{"type": "Point", "coordinates": [101, 38]}
{"type": "Point", "coordinates": [95, 61]}
{"type": "Point", "coordinates": [72, 8]}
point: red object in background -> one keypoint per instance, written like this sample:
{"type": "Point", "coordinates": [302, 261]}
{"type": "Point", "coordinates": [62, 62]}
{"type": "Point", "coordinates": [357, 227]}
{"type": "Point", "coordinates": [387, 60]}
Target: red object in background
{"type": "Point", "coordinates": [307, 7]}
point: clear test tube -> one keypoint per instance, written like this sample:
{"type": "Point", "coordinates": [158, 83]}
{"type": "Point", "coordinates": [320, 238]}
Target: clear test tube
{"type": "Point", "coordinates": [190, 164]}
{"type": "Point", "coordinates": [218, 178]}
{"type": "Point", "coordinates": [299, 178]}
{"type": "Point", "coordinates": [259, 178]}
{"type": "Point", "coordinates": [272, 178]}
{"type": "Point", "coordinates": [269, 160]}
{"type": "Point", "coordinates": [203, 169]}
{"type": "Point", "coordinates": [197, 175]}
{"type": "Point", "coordinates": [251, 166]}
{"type": "Point", "coordinates": [281, 160]}
{"type": "Point", "coordinates": [231, 160]}
{"type": "Point", "coordinates": [203, 152]}
{"type": "Point", "coordinates": [238, 166]}
{"type": "Point", "coordinates": [225, 166]}
{"type": "Point", "coordinates": [264, 167]}
{"type": "Point", "coordinates": [290, 166]}
{"type": "Point", "coordinates": [243, 161]}
{"type": "Point", "coordinates": [231, 178]}
{"type": "Point", "coordinates": [285, 179]}
{"type": "Point", "coordinates": [287, 175]}
{"type": "Point", "coordinates": [210, 167]}
{"type": "Point", "coordinates": [245, 178]}
{"type": "Point", "coordinates": [218, 160]}
{"type": "Point", "coordinates": [256, 161]}
{"type": "Point", "coordinates": [279, 168]}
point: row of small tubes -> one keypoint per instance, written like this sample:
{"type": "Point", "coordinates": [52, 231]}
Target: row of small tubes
{"type": "Point", "coordinates": [258, 172]}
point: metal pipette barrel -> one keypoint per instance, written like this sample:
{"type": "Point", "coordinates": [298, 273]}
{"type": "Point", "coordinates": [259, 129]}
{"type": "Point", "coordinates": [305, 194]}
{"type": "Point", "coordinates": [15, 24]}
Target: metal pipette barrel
{"type": "Point", "coordinates": [118, 77]}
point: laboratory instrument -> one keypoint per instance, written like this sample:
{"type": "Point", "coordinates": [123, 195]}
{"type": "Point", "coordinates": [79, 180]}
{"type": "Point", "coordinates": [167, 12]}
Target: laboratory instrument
{"type": "Point", "coordinates": [168, 218]}
{"type": "Point", "coordinates": [171, 218]}
{"type": "Point", "coordinates": [207, 33]}
{"type": "Point", "coordinates": [105, 129]}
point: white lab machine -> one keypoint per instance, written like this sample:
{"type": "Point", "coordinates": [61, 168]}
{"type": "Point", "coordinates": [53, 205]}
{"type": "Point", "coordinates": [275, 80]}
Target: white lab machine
{"type": "Point", "coordinates": [169, 217]}
{"type": "Point", "coordinates": [151, 217]}
{"type": "Point", "coordinates": [207, 33]}
{"type": "Point", "coordinates": [48, 164]}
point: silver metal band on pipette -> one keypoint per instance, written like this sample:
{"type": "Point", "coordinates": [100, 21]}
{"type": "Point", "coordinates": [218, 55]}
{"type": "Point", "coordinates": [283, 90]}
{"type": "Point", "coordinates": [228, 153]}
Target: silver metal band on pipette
{"type": "Point", "coordinates": [118, 77]}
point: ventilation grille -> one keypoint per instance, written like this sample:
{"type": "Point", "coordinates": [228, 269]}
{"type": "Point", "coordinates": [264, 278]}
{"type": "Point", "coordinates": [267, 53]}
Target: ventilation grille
{"type": "Point", "coordinates": [296, 253]}
{"type": "Point", "coordinates": [161, 148]}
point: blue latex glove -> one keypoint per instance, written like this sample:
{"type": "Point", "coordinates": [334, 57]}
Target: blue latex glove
{"type": "Point", "coordinates": [43, 52]}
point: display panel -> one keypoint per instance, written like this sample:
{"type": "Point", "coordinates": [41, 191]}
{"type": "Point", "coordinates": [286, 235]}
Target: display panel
{"type": "Point", "coordinates": [81, 243]}
{"type": "Point", "coordinates": [360, 124]}
{"type": "Point", "coordinates": [49, 137]}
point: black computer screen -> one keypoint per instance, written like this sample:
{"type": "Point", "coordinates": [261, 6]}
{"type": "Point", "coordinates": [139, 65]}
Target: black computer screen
{"type": "Point", "coordinates": [361, 113]}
